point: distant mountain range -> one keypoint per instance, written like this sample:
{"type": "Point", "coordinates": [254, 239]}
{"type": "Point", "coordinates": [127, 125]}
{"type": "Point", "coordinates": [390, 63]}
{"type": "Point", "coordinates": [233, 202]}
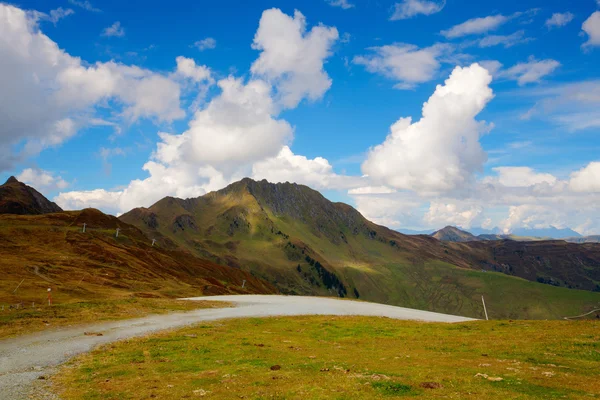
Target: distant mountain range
{"type": "Point", "coordinates": [520, 233]}
{"type": "Point", "coordinates": [289, 238]}
{"type": "Point", "coordinates": [454, 234]}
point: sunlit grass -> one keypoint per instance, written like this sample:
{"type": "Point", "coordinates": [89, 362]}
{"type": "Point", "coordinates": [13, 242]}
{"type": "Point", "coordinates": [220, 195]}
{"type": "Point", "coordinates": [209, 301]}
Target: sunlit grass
{"type": "Point", "coordinates": [345, 358]}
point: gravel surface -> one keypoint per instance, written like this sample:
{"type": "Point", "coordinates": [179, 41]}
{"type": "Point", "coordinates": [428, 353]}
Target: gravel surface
{"type": "Point", "coordinates": [25, 361]}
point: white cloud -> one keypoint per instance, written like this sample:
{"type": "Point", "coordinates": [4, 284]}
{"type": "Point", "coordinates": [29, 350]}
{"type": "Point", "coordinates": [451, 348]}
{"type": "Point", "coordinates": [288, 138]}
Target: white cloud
{"type": "Point", "coordinates": [493, 66]}
{"type": "Point", "coordinates": [393, 210]}
{"type": "Point", "coordinates": [371, 190]}
{"type": "Point", "coordinates": [476, 26]}
{"type": "Point", "coordinates": [457, 213]}
{"type": "Point", "coordinates": [404, 63]}
{"type": "Point", "coordinates": [291, 58]}
{"type": "Point", "coordinates": [289, 167]}
{"type": "Point", "coordinates": [115, 30]}
{"type": "Point", "coordinates": [48, 95]}
{"type": "Point", "coordinates": [522, 177]}
{"type": "Point", "coordinates": [86, 5]}
{"type": "Point", "coordinates": [238, 132]}
{"type": "Point", "coordinates": [411, 8]}
{"type": "Point", "coordinates": [586, 179]}
{"type": "Point", "coordinates": [42, 180]}
{"type": "Point", "coordinates": [441, 151]}
{"type": "Point", "coordinates": [531, 71]}
{"type": "Point", "coordinates": [576, 106]}
{"type": "Point", "coordinates": [344, 4]}
{"type": "Point", "coordinates": [205, 44]}
{"type": "Point", "coordinates": [236, 128]}
{"type": "Point", "coordinates": [559, 19]}
{"type": "Point", "coordinates": [54, 15]}
{"type": "Point", "coordinates": [504, 40]}
{"type": "Point", "coordinates": [591, 27]}
{"type": "Point", "coordinates": [187, 68]}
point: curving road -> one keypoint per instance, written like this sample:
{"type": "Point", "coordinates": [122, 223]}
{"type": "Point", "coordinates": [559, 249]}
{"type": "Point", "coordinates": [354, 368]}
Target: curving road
{"type": "Point", "coordinates": [25, 359]}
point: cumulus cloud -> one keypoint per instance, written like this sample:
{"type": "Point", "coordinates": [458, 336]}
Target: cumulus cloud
{"type": "Point", "coordinates": [115, 30]}
{"type": "Point", "coordinates": [476, 26]}
{"type": "Point", "coordinates": [205, 44]}
{"type": "Point", "coordinates": [405, 63]}
{"type": "Point", "coordinates": [457, 213]}
{"type": "Point", "coordinates": [291, 58]}
{"type": "Point", "coordinates": [558, 20]}
{"type": "Point", "coordinates": [591, 27]}
{"type": "Point", "coordinates": [393, 210]}
{"type": "Point", "coordinates": [372, 190]}
{"type": "Point", "coordinates": [411, 8]}
{"type": "Point", "coordinates": [344, 4]}
{"type": "Point", "coordinates": [187, 68]}
{"type": "Point", "coordinates": [238, 133]}
{"type": "Point", "coordinates": [441, 151]}
{"type": "Point", "coordinates": [42, 180]}
{"type": "Point", "coordinates": [586, 179]}
{"type": "Point", "coordinates": [522, 177]}
{"type": "Point", "coordinates": [531, 71]}
{"type": "Point", "coordinates": [47, 94]}
{"type": "Point", "coordinates": [290, 167]}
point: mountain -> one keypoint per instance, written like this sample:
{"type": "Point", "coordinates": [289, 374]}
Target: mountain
{"type": "Point", "coordinates": [453, 234]}
{"type": "Point", "coordinates": [51, 250]}
{"type": "Point", "coordinates": [293, 237]}
{"type": "Point", "coordinates": [18, 198]}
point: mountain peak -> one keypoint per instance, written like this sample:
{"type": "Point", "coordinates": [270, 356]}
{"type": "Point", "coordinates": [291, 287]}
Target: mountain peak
{"type": "Point", "coordinates": [12, 179]}
{"type": "Point", "coordinates": [454, 234]}
{"type": "Point", "coordinates": [18, 198]}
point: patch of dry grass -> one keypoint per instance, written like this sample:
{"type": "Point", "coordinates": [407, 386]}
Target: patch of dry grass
{"type": "Point", "coordinates": [42, 317]}
{"type": "Point", "coordinates": [345, 358]}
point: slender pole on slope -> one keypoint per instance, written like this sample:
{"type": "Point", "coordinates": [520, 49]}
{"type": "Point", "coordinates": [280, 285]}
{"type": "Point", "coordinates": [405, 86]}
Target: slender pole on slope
{"type": "Point", "coordinates": [484, 309]}
{"type": "Point", "coordinates": [243, 283]}
{"type": "Point", "coordinates": [117, 235]}
{"type": "Point", "coordinates": [84, 227]}
{"type": "Point", "coordinates": [18, 285]}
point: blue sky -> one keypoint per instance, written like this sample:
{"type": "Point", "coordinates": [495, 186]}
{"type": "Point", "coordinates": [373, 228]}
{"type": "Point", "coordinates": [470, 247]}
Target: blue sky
{"type": "Point", "coordinates": [311, 89]}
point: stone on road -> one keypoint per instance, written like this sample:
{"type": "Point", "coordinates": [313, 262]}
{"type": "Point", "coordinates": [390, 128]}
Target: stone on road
{"type": "Point", "coordinates": [25, 359]}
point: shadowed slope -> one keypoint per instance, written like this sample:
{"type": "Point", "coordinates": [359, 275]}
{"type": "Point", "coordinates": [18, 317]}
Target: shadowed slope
{"type": "Point", "coordinates": [18, 198]}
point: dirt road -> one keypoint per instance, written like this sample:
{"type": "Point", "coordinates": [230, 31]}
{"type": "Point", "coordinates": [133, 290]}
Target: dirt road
{"type": "Point", "coordinates": [25, 359]}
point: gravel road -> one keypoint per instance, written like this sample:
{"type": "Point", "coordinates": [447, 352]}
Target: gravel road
{"type": "Point", "coordinates": [26, 360]}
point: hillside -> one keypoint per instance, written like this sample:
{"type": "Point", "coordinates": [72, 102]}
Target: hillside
{"type": "Point", "coordinates": [453, 234]}
{"type": "Point", "coordinates": [292, 236]}
{"type": "Point", "coordinates": [18, 198]}
{"type": "Point", "coordinates": [51, 250]}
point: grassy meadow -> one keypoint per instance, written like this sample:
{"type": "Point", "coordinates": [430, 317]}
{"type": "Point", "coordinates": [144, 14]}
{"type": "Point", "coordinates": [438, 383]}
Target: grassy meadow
{"type": "Point", "coordinates": [345, 358]}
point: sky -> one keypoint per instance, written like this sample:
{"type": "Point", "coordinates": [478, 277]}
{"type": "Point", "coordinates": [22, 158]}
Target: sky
{"type": "Point", "coordinates": [419, 113]}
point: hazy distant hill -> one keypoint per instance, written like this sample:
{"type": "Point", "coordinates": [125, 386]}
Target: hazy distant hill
{"type": "Point", "coordinates": [453, 234]}
{"type": "Point", "coordinates": [292, 236]}
{"type": "Point", "coordinates": [18, 198]}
